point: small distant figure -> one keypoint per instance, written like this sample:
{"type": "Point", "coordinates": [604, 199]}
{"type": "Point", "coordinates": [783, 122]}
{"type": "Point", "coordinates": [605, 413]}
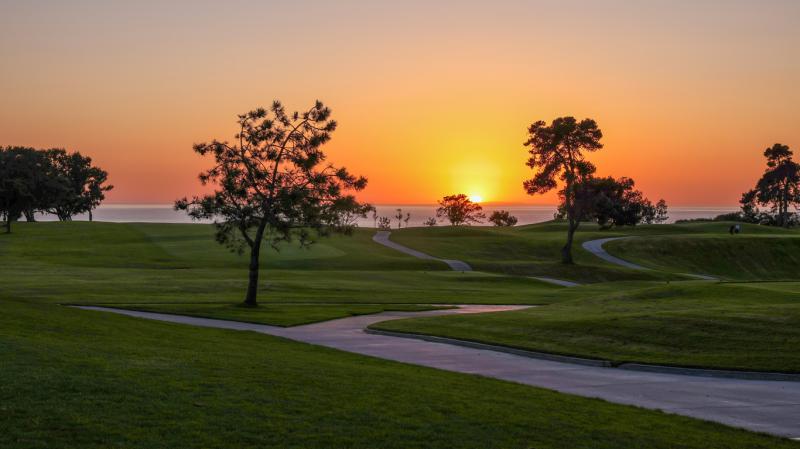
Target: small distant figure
{"type": "Point", "coordinates": [732, 229]}
{"type": "Point", "coordinates": [735, 229]}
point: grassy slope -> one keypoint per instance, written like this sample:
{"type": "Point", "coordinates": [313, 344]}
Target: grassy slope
{"type": "Point", "coordinates": [75, 378]}
{"type": "Point", "coordinates": [145, 263]}
{"type": "Point", "coordinates": [760, 252]}
{"type": "Point", "coordinates": [733, 326]}
{"type": "Point", "coordinates": [532, 250]}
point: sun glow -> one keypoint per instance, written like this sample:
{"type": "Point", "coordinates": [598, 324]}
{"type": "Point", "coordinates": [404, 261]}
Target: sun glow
{"type": "Point", "coordinates": [476, 198]}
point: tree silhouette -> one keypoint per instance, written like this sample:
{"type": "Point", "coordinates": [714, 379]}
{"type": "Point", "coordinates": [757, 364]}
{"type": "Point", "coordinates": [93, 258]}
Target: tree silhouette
{"type": "Point", "coordinates": [556, 152]}
{"type": "Point", "coordinates": [85, 184]}
{"type": "Point", "coordinates": [430, 221]}
{"type": "Point", "coordinates": [502, 218]}
{"type": "Point", "coordinates": [399, 216]}
{"type": "Point", "coordinates": [384, 223]}
{"type": "Point", "coordinates": [274, 180]}
{"type": "Point", "coordinates": [459, 210]}
{"type": "Point", "coordinates": [52, 181]}
{"type": "Point", "coordinates": [661, 212]}
{"type": "Point", "coordinates": [613, 202]}
{"type": "Point", "coordinates": [18, 182]}
{"type": "Point", "coordinates": [778, 188]}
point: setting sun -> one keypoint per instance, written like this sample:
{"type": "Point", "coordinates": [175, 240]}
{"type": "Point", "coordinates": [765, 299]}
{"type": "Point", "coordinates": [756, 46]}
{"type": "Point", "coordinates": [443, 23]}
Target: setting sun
{"type": "Point", "coordinates": [476, 198]}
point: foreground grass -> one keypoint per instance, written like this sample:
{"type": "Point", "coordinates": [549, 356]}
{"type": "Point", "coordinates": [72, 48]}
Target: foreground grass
{"type": "Point", "coordinates": [696, 324]}
{"type": "Point", "coordinates": [74, 378]}
{"type": "Point", "coordinates": [276, 314]}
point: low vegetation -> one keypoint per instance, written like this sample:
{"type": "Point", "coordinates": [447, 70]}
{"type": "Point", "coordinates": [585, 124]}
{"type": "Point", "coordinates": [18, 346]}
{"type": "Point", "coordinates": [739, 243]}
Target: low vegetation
{"type": "Point", "coordinates": [758, 253]}
{"type": "Point", "coordinates": [697, 324]}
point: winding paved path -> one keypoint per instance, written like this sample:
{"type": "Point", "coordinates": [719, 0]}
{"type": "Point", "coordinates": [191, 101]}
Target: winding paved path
{"type": "Point", "coordinates": [382, 237]}
{"type": "Point", "coordinates": [596, 247]}
{"type": "Point", "coordinates": [765, 406]}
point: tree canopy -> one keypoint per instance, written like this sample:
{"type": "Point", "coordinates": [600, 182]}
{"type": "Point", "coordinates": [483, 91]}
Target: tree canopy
{"type": "Point", "coordinates": [502, 218]}
{"type": "Point", "coordinates": [48, 181]}
{"type": "Point", "coordinates": [274, 179]}
{"type": "Point", "coordinates": [459, 210]}
{"type": "Point", "coordinates": [556, 152]}
{"type": "Point", "coordinates": [778, 189]}
{"type": "Point", "coordinates": [613, 202]}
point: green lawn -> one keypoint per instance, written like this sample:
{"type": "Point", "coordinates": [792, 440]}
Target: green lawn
{"type": "Point", "coordinates": [532, 250]}
{"type": "Point", "coordinates": [93, 263]}
{"type": "Point", "coordinates": [697, 324]}
{"type": "Point", "coordinates": [73, 378]}
{"type": "Point", "coordinates": [759, 253]}
{"type": "Point", "coordinates": [83, 379]}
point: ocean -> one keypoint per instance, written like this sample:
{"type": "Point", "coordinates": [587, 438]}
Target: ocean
{"type": "Point", "coordinates": [526, 214]}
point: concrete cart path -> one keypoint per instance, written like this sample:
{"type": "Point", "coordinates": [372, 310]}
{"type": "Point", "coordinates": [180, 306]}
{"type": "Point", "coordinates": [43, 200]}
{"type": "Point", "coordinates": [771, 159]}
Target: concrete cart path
{"type": "Point", "coordinates": [382, 237]}
{"type": "Point", "coordinates": [596, 247]}
{"type": "Point", "coordinates": [764, 406]}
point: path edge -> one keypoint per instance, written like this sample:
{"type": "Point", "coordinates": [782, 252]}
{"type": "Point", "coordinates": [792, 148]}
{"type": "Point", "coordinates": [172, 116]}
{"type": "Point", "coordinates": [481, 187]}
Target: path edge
{"type": "Point", "coordinates": [660, 369]}
{"type": "Point", "coordinates": [495, 348]}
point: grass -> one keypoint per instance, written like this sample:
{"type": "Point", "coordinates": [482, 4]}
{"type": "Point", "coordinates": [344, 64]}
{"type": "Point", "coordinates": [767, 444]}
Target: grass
{"type": "Point", "coordinates": [74, 378]}
{"type": "Point", "coordinates": [695, 324]}
{"type": "Point", "coordinates": [90, 263]}
{"type": "Point", "coordinates": [760, 253]}
{"type": "Point", "coordinates": [276, 314]}
{"type": "Point", "coordinates": [532, 250]}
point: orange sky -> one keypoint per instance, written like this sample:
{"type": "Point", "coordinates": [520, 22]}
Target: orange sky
{"type": "Point", "coordinates": [431, 99]}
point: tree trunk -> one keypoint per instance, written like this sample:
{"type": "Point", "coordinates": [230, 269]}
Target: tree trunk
{"type": "Point", "coordinates": [252, 284]}
{"type": "Point", "coordinates": [8, 224]}
{"type": "Point", "coordinates": [566, 251]}
{"type": "Point", "coordinates": [90, 215]}
{"type": "Point", "coordinates": [785, 217]}
{"type": "Point", "coordinates": [30, 216]}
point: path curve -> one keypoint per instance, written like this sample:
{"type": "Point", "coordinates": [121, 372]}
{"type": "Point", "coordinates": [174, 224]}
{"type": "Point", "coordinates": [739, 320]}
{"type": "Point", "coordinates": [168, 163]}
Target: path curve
{"type": "Point", "coordinates": [763, 406]}
{"type": "Point", "coordinates": [596, 247]}
{"type": "Point", "coordinates": [382, 237]}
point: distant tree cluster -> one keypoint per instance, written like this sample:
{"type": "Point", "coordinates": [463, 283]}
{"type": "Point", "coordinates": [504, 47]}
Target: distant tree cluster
{"type": "Point", "coordinates": [778, 189]}
{"type": "Point", "coordinates": [502, 218]}
{"type": "Point", "coordinates": [613, 202]}
{"type": "Point", "coordinates": [385, 223]}
{"type": "Point", "coordinates": [460, 210]}
{"type": "Point", "coordinates": [402, 218]}
{"type": "Point", "coordinates": [48, 181]}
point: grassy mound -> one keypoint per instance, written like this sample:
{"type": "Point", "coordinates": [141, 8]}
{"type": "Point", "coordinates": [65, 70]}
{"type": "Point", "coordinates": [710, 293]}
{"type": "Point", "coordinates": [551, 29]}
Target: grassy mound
{"type": "Point", "coordinates": [103, 263]}
{"type": "Point", "coordinates": [759, 253]}
{"type": "Point", "coordinates": [726, 326]}
{"type": "Point", "coordinates": [533, 250]}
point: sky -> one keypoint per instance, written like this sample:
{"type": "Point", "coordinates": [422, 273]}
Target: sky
{"type": "Point", "coordinates": [432, 97]}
